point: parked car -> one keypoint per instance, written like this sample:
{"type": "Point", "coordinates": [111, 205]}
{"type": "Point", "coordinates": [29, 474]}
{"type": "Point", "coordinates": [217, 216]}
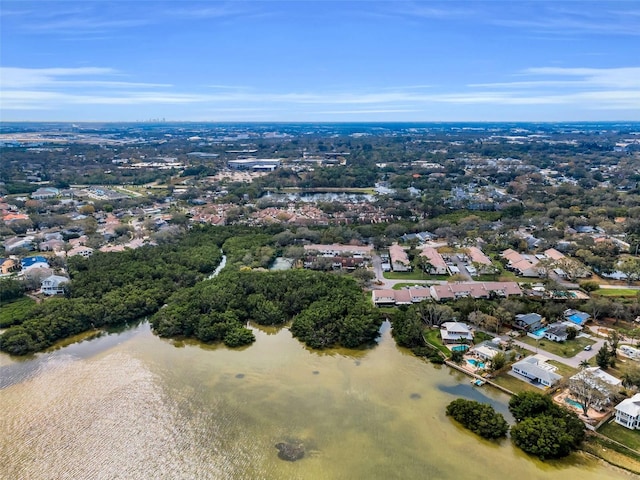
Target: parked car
{"type": "Point", "coordinates": [587, 348]}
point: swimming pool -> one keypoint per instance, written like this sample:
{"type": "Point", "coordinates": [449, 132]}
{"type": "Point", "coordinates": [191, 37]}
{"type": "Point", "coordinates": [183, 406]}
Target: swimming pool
{"type": "Point", "coordinates": [575, 319]}
{"type": "Point", "coordinates": [460, 348]}
{"type": "Point", "coordinates": [540, 332]}
{"type": "Point", "coordinates": [573, 403]}
{"type": "Point", "coordinates": [475, 363]}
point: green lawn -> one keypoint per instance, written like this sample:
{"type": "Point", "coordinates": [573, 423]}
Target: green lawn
{"type": "Point", "coordinates": [400, 286]}
{"type": "Point", "coordinates": [562, 369]}
{"type": "Point", "coordinates": [630, 438]}
{"type": "Point", "coordinates": [616, 292]}
{"type": "Point", "coordinates": [415, 275]}
{"type": "Point", "coordinates": [515, 385]}
{"type": "Point", "coordinates": [567, 349]}
{"type": "Point", "coordinates": [481, 337]}
{"type": "Point", "coordinates": [14, 312]}
{"type": "Point", "coordinates": [432, 336]}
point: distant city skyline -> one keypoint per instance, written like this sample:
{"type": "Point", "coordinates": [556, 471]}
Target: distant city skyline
{"type": "Point", "coordinates": [320, 61]}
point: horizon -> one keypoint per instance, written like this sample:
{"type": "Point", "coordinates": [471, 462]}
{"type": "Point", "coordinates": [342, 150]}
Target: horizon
{"type": "Point", "coordinates": [319, 61]}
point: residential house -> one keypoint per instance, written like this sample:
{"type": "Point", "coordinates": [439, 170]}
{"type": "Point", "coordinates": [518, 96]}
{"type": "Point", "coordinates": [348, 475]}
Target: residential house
{"type": "Point", "coordinates": [452, 291]}
{"type": "Point", "coordinates": [384, 297]}
{"type": "Point", "coordinates": [33, 262]}
{"type": "Point", "coordinates": [438, 265]}
{"type": "Point", "coordinates": [15, 243]}
{"type": "Point", "coordinates": [537, 370]}
{"type": "Point", "coordinates": [601, 380]}
{"type": "Point", "coordinates": [54, 285]}
{"type": "Point", "coordinates": [53, 245]}
{"type": "Point", "coordinates": [405, 296]}
{"type": "Point", "coordinates": [528, 321]}
{"type": "Point", "coordinates": [576, 316]}
{"type": "Point", "coordinates": [455, 332]}
{"type": "Point", "coordinates": [557, 332]}
{"type": "Point", "coordinates": [399, 259]}
{"type": "Point", "coordinates": [80, 250]}
{"type": "Point", "coordinates": [8, 265]}
{"type": "Point", "coordinates": [478, 258]}
{"type": "Point", "coordinates": [628, 412]}
{"type": "Point", "coordinates": [44, 193]}
{"type": "Point", "coordinates": [486, 350]}
{"type": "Point", "coordinates": [523, 265]}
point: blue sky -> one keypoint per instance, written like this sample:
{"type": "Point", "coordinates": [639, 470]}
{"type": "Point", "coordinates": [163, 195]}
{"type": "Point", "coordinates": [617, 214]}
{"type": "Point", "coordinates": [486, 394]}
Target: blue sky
{"type": "Point", "coordinates": [320, 60]}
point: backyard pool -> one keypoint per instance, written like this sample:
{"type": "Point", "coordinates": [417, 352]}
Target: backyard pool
{"type": "Point", "coordinates": [460, 348]}
{"type": "Point", "coordinates": [475, 363]}
{"type": "Point", "coordinates": [573, 403]}
{"type": "Point", "coordinates": [575, 319]}
{"type": "Point", "coordinates": [540, 332]}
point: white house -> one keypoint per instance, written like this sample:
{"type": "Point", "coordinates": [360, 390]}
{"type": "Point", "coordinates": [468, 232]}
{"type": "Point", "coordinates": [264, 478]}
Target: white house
{"type": "Point", "coordinates": [455, 332]}
{"type": "Point", "coordinates": [556, 332]}
{"type": "Point", "coordinates": [53, 285]}
{"type": "Point", "coordinates": [536, 370]}
{"type": "Point", "coordinates": [628, 412]}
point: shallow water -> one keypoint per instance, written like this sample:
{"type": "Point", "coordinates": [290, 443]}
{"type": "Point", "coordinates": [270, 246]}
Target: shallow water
{"type": "Point", "coordinates": [131, 405]}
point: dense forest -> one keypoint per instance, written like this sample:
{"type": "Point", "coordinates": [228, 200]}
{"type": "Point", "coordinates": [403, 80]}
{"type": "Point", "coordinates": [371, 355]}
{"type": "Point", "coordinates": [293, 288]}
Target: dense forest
{"type": "Point", "coordinates": [116, 288]}
{"type": "Point", "coordinates": [327, 310]}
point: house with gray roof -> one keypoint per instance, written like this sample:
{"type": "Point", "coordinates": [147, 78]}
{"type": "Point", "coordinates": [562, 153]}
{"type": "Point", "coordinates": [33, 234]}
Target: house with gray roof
{"type": "Point", "coordinates": [537, 371]}
{"type": "Point", "coordinates": [529, 321]}
{"type": "Point", "coordinates": [54, 285]}
{"type": "Point", "coordinates": [557, 332]}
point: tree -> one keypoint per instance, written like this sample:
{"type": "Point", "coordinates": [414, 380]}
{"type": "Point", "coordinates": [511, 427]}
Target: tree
{"type": "Point", "coordinates": [478, 417]}
{"type": "Point", "coordinates": [544, 428]}
{"type": "Point", "coordinates": [498, 361]}
{"type": "Point", "coordinates": [614, 340]}
{"type": "Point", "coordinates": [433, 314]}
{"type": "Point", "coordinates": [603, 357]}
{"type": "Point", "coordinates": [584, 364]}
{"type": "Point", "coordinates": [589, 390]}
{"type": "Point", "coordinates": [630, 266]}
{"type": "Point", "coordinates": [542, 436]}
{"type": "Point", "coordinates": [571, 333]}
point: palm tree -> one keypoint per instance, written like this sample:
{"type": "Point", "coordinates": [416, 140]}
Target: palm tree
{"type": "Point", "coordinates": [584, 364]}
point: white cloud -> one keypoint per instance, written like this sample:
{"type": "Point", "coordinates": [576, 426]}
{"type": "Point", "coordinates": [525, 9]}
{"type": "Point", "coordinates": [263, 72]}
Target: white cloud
{"type": "Point", "coordinates": [572, 89]}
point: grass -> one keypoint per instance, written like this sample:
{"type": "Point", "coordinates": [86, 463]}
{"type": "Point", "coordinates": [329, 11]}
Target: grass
{"type": "Point", "coordinates": [612, 453]}
{"type": "Point", "coordinates": [432, 337]}
{"type": "Point", "coordinates": [481, 337]}
{"type": "Point", "coordinates": [562, 369]}
{"type": "Point", "coordinates": [567, 349]}
{"type": "Point", "coordinates": [515, 385]}
{"type": "Point", "coordinates": [400, 286]}
{"type": "Point", "coordinates": [630, 438]}
{"type": "Point", "coordinates": [15, 312]}
{"type": "Point", "coordinates": [616, 292]}
{"type": "Point", "coordinates": [415, 275]}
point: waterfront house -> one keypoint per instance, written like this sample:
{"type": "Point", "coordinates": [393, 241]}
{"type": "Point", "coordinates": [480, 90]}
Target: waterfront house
{"type": "Point", "coordinates": [628, 412]}
{"type": "Point", "coordinates": [455, 332]}
{"type": "Point", "coordinates": [53, 285]}
{"type": "Point", "coordinates": [537, 370]}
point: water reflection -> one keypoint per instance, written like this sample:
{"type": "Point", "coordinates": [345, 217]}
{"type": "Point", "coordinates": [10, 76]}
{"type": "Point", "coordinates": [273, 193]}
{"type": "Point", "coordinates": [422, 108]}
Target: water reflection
{"type": "Point", "coordinates": [133, 406]}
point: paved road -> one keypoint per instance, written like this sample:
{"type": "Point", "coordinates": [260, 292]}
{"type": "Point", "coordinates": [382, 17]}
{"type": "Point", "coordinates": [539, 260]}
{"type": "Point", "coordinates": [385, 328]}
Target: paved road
{"type": "Point", "coordinates": [573, 361]}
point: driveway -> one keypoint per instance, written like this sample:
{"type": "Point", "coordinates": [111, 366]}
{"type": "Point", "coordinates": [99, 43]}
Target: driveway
{"type": "Point", "coordinates": [573, 361]}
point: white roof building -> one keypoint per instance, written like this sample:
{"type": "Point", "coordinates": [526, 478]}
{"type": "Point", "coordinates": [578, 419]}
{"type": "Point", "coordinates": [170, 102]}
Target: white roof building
{"type": "Point", "coordinates": [628, 412]}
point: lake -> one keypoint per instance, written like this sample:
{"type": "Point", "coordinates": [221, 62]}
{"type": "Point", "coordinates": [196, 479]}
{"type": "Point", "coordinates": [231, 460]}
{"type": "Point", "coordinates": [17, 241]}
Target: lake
{"type": "Point", "coordinates": [130, 405]}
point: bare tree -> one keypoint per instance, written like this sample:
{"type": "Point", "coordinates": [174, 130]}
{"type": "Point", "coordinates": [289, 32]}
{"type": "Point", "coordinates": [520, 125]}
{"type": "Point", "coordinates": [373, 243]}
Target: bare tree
{"type": "Point", "coordinates": [589, 390]}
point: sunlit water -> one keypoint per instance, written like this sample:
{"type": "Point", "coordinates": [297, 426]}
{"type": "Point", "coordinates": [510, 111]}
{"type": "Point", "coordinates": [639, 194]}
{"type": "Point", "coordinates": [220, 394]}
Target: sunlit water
{"type": "Point", "coordinates": [133, 406]}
